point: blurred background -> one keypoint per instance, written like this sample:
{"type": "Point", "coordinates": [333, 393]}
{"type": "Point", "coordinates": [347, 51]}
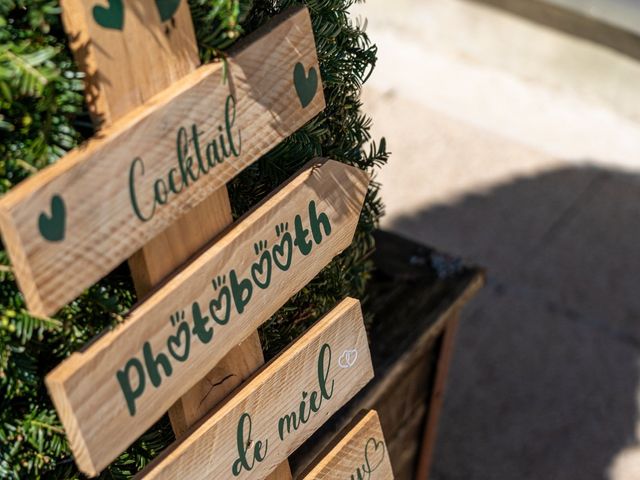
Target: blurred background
{"type": "Point", "coordinates": [515, 132]}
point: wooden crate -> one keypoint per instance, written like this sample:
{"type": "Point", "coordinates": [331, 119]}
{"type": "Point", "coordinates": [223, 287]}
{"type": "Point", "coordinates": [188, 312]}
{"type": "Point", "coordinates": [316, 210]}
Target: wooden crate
{"type": "Point", "coordinates": [416, 296]}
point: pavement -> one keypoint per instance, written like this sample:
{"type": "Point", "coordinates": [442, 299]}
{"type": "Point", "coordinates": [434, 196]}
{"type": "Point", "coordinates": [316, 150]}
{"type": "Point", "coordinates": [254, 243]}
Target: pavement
{"type": "Point", "coordinates": [518, 148]}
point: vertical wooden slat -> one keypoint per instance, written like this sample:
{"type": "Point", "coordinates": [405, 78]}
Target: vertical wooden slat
{"type": "Point", "coordinates": [126, 63]}
{"type": "Point", "coordinates": [437, 398]}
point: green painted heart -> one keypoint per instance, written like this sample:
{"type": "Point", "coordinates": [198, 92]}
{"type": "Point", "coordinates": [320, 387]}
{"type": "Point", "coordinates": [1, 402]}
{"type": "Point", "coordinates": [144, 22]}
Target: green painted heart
{"type": "Point", "coordinates": [110, 17]}
{"type": "Point", "coordinates": [261, 270]}
{"type": "Point", "coordinates": [374, 456]}
{"type": "Point", "coordinates": [182, 338]}
{"type": "Point", "coordinates": [306, 86]}
{"type": "Point", "coordinates": [283, 252]}
{"type": "Point", "coordinates": [221, 304]}
{"type": "Point", "coordinates": [52, 226]}
{"type": "Point", "coordinates": [166, 8]}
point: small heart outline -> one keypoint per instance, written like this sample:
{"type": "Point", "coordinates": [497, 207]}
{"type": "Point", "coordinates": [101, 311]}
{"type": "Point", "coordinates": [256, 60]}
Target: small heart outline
{"type": "Point", "coordinates": [348, 358]}
{"type": "Point", "coordinates": [376, 444]}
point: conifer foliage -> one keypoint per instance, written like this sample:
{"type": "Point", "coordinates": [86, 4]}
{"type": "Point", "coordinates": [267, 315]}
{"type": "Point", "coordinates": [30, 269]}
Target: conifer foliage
{"type": "Point", "coordinates": [43, 115]}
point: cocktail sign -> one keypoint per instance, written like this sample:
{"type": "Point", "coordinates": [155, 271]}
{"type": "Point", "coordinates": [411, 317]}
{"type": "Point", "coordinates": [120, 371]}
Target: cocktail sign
{"type": "Point", "coordinates": [71, 224]}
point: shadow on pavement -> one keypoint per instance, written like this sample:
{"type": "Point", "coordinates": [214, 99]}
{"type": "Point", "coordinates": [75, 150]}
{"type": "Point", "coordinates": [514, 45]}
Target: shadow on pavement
{"type": "Point", "coordinates": [544, 381]}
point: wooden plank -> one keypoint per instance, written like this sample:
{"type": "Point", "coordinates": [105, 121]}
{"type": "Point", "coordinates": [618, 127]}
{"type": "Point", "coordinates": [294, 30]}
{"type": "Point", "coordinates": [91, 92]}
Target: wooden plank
{"type": "Point", "coordinates": [283, 243]}
{"type": "Point", "coordinates": [437, 399]}
{"type": "Point", "coordinates": [101, 40]}
{"type": "Point", "coordinates": [404, 446]}
{"type": "Point", "coordinates": [73, 222]}
{"type": "Point", "coordinates": [360, 452]}
{"type": "Point", "coordinates": [231, 371]}
{"type": "Point", "coordinates": [151, 265]}
{"type": "Point", "coordinates": [280, 407]}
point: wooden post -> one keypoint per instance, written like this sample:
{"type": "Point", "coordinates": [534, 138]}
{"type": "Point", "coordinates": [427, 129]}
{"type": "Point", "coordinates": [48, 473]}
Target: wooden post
{"type": "Point", "coordinates": [120, 79]}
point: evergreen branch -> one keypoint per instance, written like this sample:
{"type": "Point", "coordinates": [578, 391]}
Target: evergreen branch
{"type": "Point", "coordinates": [46, 426]}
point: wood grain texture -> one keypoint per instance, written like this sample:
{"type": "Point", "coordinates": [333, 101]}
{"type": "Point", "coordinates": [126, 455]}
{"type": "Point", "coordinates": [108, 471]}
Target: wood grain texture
{"type": "Point", "coordinates": [359, 452]}
{"type": "Point", "coordinates": [159, 52]}
{"type": "Point", "coordinates": [289, 381]}
{"type": "Point", "coordinates": [85, 388]}
{"type": "Point", "coordinates": [154, 149]}
{"type": "Point", "coordinates": [238, 365]}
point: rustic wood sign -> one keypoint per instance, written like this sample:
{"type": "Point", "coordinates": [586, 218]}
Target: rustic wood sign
{"type": "Point", "coordinates": [113, 391]}
{"type": "Point", "coordinates": [72, 223]}
{"type": "Point", "coordinates": [101, 34]}
{"type": "Point", "coordinates": [360, 454]}
{"type": "Point", "coordinates": [276, 411]}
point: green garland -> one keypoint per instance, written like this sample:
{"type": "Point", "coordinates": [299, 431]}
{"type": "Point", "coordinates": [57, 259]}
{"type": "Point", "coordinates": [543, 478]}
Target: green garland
{"type": "Point", "coordinates": [43, 115]}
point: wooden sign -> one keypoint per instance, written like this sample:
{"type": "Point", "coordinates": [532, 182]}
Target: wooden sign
{"type": "Point", "coordinates": [276, 411]}
{"type": "Point", "coordinates": [118, 387]}
{"type": "Point", "coordinates": [360, 454]}
{"type": "Point", "coordinates": [72, 223]}
{"type": "Point", "coordinates": [101, 35]}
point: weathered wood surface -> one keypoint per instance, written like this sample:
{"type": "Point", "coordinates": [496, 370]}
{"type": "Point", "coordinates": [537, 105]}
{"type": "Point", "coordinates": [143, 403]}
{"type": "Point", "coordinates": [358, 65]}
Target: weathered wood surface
{"type": "Point", "coordinates": [283, 243]}
{"type": "Point", "coordinates": [414, 294]}
{"type": "Point", "coordinates": [72, 223]}
{"type": "Point", "coordinates": [360, 452]}
{"type": "Point", "coordinates": [272, 414]}
{"type": "Point", "coordinates": [163, 51]}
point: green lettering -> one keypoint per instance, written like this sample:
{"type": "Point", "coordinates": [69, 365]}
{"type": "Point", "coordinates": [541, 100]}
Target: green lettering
{"type": "Point", "coordinates": [196, 145]}
{"type": "Point", "coordinates": [302, 233]}
{"type": "Point", "coordinates": [291, 421]}
{"type": "Point", "coordinates": [260, 449]}
{"type": "Point", "coordinates": [160, 192]}
{"type": "Point", "coordinates": [152, 363]}
{"type": "Point", "coordinates": [132, 190]}
{"type": "Point", "coordinates": [316, 221]}
{"type": "Point", "coordinates": [172, 181]}
{"type": "Point", "coordinates": [323, 371]}
{"type": "Point", "coordinates": [185, 161]}
{"type": "Point", "coordinates": [124, 377]}
{"type": "Point", "coordinates": [230, 120]}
